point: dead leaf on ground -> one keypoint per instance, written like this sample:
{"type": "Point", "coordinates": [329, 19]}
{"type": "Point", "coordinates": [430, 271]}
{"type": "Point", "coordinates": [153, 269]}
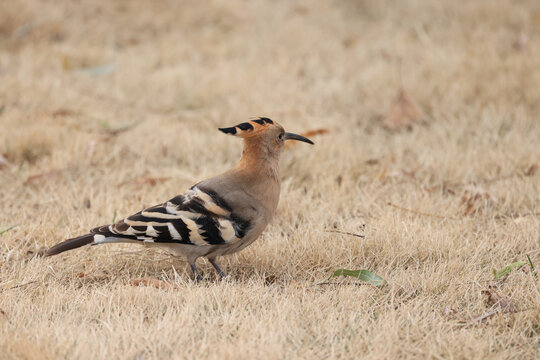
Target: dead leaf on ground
{"type": "Point", "coordinates": [308, 134]}
{"type": "Point", "coordinates": [270, 279]}
{"type": "Point", "coordinates": [315, 132]}
{"type": "Point", "coordinates": [372, 161]}
{"type": "Point", "coordinates": [403, 113]}
{"type": "Point", "coordinates": [63, 112]}
{"type": "Point", "coordinates": [475, 198]}
{"type": "Point", "coordinates": [144, 180]}
{"type": "Point", "coordinates": [495, 299]}
{"type": "Point", "coordinates": [532, 169]}
{"type": "Point", "coordinates": [93, 277]}
{"type": "Point", "coordinates": [39, 177]}
{"type": "Point", "coordinates": [151, 281]}
{"type": "Point", "coordinates": [497, 304]}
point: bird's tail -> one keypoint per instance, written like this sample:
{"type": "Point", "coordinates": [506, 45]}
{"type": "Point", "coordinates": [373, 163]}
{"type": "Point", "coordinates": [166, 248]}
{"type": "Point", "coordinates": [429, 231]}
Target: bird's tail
{"type": "Point", "coordinates": [71, 244]}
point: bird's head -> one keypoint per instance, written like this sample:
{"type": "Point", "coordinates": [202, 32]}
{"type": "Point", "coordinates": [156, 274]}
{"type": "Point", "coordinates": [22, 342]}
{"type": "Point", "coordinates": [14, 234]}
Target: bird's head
{"type": "Point", "coordinates": [265, 132]}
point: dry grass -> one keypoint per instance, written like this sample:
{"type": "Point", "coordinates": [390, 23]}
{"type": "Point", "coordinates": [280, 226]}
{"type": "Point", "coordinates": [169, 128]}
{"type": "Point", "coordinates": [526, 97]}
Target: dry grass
{"type": "Point", "coordinates": [172, 72]}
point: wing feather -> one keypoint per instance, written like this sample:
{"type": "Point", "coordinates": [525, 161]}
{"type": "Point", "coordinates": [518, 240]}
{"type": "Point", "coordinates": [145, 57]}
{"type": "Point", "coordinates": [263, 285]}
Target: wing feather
{"type": "Point", "coordinates": [197, 217]}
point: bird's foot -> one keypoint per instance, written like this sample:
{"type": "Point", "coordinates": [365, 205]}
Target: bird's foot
{"type": "Point", "coordinates": [198, 277]}
{"type": "Point", "coordinates": [222, 275]}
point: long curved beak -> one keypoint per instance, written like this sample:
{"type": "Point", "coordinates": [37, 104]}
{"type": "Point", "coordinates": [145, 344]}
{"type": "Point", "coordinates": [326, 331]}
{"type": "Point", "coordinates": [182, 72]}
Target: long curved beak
{"type": "Point", "coordinates": [291, 136]}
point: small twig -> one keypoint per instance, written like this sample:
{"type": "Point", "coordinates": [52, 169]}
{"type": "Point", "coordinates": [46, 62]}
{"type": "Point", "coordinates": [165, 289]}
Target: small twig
{"type": "Point", "coordinates": [478, 181]}
{"type": "Point", "coordinates": [137, 253]}
{"type": "Point", "coordinates": [516, 216]}
{"type": "Point", "coordinates": [530, 214]}
{"type": "Point", "coordinates": [534, 251]}
{"type": "Point", "coordinates": [6, 230]}
{"type": "Point", "coordinates": [501, 178]}
{"type": "Point", "coordinates": [481, 281]}
{"type": "Point", "coordinates": [37, 177]}
{"type": "Point", "coordinates": [485, 316]}
{"type": "Point", "coordinates": [422, 213]}
{"type": "Point", "coordinates": [494, 311]}
{"type": "Point", "coordinates": [346, 233]}
{"type": "Point", "coordinates": [20, 285]}
{"type": "Point", "coordinates": [342, 283]}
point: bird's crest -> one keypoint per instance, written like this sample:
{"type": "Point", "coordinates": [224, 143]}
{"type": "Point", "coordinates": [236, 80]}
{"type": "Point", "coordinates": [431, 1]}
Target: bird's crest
{"type": "Point", "coordinates": [248, 129]}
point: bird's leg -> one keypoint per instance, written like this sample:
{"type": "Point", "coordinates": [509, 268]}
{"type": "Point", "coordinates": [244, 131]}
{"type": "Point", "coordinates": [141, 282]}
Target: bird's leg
{"type": "Point", "coordinates": [198, 277]}
{"type": "Point", "coordinates": [216, 266]}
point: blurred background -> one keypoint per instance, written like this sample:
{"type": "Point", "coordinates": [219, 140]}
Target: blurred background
{"type": "Point", "coordinates": [90, 65]}
{"type": "Point", "coordinates": [224, 61]}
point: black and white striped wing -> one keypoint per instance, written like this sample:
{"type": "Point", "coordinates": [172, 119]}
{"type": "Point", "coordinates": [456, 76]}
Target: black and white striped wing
{"type": "Point", "coordinates": [195, 218]}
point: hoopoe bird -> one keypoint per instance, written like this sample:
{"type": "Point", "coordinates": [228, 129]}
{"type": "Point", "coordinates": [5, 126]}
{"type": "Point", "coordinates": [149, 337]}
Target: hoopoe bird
{"type": "Point", "coordinates": [217, 216]}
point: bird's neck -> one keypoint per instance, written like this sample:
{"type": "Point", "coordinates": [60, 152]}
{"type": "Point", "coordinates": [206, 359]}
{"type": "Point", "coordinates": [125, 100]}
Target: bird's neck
{"type": "Point", "coordinates": [258, 170]}
{"type": "Point", "coordinates": [257, 157]}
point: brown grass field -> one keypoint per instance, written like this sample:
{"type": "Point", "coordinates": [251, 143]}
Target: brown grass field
{"type": "Point", "coordinates": [109, 106]}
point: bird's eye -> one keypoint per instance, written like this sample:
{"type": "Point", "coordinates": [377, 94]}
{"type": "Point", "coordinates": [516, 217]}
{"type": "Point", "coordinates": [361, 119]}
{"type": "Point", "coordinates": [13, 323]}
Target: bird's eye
{"type": "Point", "coordinates": [280, 136]}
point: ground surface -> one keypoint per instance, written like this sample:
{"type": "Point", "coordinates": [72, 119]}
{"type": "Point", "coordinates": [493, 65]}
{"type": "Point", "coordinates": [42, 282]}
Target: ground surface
{"type": "Point", "coordinates": [109, 106]}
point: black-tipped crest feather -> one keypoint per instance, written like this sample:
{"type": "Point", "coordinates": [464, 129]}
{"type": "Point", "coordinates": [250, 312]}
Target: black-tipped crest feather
{"type": "Point", "coordinates": [246, 126]}
{"type": "Point", "coordinates": [229, 130]}
{"type": "Point", "coordinates": [266, 120]}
